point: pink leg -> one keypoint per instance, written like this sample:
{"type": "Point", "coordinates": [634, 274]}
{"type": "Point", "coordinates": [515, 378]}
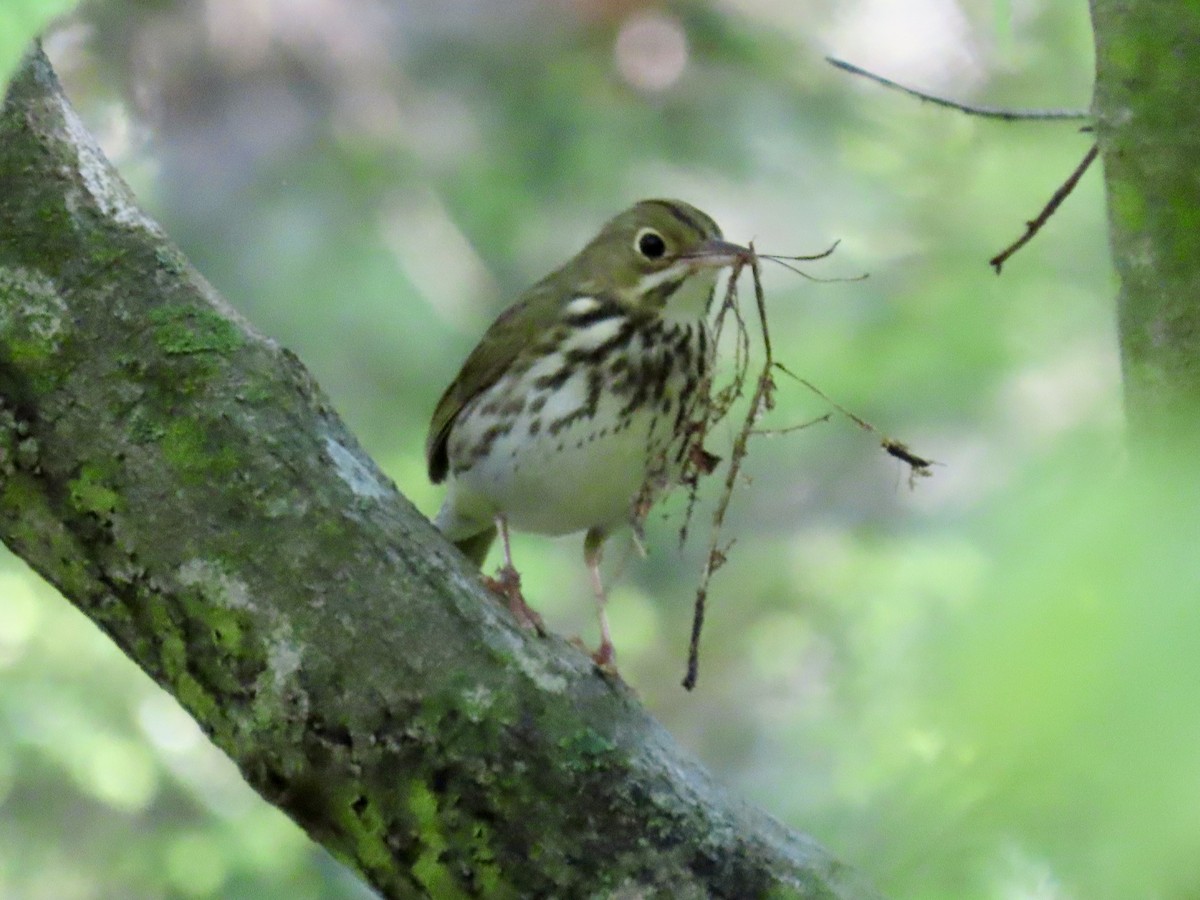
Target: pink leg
{"type": "Point", "coordinates": [593, 548]}
{"type": "Point", "coordinates": [508, 583]}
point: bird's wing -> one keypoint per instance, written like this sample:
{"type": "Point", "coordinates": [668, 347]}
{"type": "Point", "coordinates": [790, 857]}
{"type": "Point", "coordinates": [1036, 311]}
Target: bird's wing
{"type": "Point", "coordinates": [516, 329]}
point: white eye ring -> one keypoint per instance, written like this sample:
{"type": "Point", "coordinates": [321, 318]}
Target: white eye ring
{"type": "Point", "coordinates": [650, 244]}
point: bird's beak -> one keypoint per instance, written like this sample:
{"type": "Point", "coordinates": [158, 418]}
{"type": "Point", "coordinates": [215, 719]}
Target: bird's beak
{"type": "Point", "coordinates": [716, 254]}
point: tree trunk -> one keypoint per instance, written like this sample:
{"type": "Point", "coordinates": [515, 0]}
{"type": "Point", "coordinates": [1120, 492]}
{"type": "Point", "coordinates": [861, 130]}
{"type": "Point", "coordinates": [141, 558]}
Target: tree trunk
{"type": "Point", "coordinates": [182, 480]}
{"type": "Point", "coordinates": [1147, 69]}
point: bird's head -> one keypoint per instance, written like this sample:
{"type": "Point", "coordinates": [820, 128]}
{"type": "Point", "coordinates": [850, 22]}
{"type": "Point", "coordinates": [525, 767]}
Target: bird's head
{"type": "Point", "coordinates": [658, 256]}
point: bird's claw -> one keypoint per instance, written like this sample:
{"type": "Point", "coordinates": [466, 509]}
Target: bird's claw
{"type": "Point", "coordinates": [507, 584]}
{"type": "Point", "coordinates": [604, 657]}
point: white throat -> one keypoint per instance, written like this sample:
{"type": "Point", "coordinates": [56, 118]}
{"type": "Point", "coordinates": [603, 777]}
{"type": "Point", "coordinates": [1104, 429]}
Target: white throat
{"type": "Point", "coordinates": [690, 302]}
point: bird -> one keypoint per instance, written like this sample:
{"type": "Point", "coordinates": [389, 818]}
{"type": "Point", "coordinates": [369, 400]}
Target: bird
{"type": "Point", "coordinates": [576, 409]}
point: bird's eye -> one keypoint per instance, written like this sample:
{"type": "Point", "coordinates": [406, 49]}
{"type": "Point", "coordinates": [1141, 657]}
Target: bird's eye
{"type": "Point", "coordinates": [650, 243]}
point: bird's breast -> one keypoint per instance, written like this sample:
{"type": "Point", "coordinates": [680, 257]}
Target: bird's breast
{"type": "Point", "coordinates": [570, 436]}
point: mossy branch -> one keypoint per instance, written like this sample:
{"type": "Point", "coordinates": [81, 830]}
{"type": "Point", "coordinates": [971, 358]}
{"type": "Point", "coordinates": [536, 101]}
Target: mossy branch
{"type": "Point", "coordinates": [182, 481]}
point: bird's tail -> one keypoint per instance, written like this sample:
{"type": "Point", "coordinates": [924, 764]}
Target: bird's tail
{"type": "Point", "coordinates": [476, 547]}
{"type": "Point", "coordinates": [469, 525]}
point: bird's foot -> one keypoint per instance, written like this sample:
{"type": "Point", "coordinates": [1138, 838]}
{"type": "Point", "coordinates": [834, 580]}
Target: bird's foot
{"type": "Point", "coordinates": [507, 584]}
{"type": "Point", "coordinates": [604, 656]}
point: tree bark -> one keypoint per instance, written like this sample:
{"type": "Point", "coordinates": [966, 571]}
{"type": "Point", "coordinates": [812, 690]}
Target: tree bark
{"type": "Point", "coordinates": [182, 480]}
{"type": "Point", "coordinates": [1147, 68]}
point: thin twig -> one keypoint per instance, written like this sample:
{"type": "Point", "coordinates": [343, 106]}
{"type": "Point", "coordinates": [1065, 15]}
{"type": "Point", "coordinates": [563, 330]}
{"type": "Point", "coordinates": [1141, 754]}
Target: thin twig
{"type": "Point", "coordinates": [761, 400]}
{"type": "Point", "coordinates": [857, 420]}
{"type": "Point", "coordinates": [714, 405]}
{"type": "Point", "coordinates": [779, 261]}
{"type": "Point", "coordinates": [989, 112]}
{"type": "Point", "coordinates": [760, 302]}
{"type": "Point", "coordinates": [919, 466]}
{"type": "Point", "coordinates": [1033, 226]}
{"type": "Point", "coordinates": [786, 262]}
{"type": "Point", "coordinates": [812, 257]}
{"type": "Point", "coordinates": [779, 432]}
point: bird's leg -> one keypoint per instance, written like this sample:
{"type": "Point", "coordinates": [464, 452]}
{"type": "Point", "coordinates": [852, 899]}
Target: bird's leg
{"type": "Point", "coordinates": [508, 583]}
{"type": "Point", "coordinates": [593, 548]}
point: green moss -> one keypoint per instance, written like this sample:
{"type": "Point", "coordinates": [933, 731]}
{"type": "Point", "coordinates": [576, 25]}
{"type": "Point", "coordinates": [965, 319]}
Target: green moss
{"type": "Point", "coordinates": [331, 529]}
{"type": "Point", "coordinates": [20, 495]}
{"type": "Point", "coordinates": [170, 259]}
{"type": "Point", "coordinates": [27, 453]}
{"type": "Point", "coordinates": [196, 699]}
{"type": "Point", "coordinates": [225, 652]}
{"type": "Point", "coordinates": [28, 352]}
{"type": "Point", "coordinates": [227, 630]}
{"type": "Point", "coordinates": [1127, 206]}
{"type": "Point", "coordinates": [104, 254]}
{"type": "Point", "coordinates": [1123, 53]}
{"type": "Point", "coordinates": [1182, 236]}
{"type": "Point", "coordinates": [186, 446]}
{"type": "Point", "coordinates": [32, 325]}
{"type": "Point", "coordinates": [172, 653]}
{"type": "Point", "coordinates": [143, 428]}
{"type": "Point", "coordinates": [90, 494]}
{"type": "Point", "coordinates": [185, 330]}
{"type": "Point", "coordinates": [472, 851]}
{"type": "Point", "coordinates": [587, 750]}
{"type": "Point", "coordinates": [368, 830]}
{"type": "Point", "coordinates": [429, 868]}
{"type": "Point", "coordinates": [34, 525]}
{"type": "Point", "coordinates": [257, 394]}
{"type": "Point", "coordinates": [54, 215]}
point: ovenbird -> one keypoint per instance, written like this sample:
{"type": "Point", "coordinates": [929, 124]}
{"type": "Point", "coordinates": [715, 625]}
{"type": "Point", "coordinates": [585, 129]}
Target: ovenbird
{"type": "Point", "coordinates": [576, 406]}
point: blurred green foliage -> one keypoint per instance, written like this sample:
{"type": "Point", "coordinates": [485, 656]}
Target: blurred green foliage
{"type": "Point", "coordinates": [976, 687]}
{"type": "Point", "coordinates": [20, 22]}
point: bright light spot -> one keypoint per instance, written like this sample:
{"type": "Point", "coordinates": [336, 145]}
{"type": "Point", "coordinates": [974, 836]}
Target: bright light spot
{"type": "Point", "coordinates": [1022, 876]}
{"type": "Point", "coordinates": [214, 781]}
{"type": "Point", "coordinates": [166, 724]}
{"type": "Point", "coordinates": [269, 842]}
{"type": "Point", "coordinates": [1078, 385]}
{"type": "Point", "coordinates": [651, 51]}
{"type": "Point", "coordinates": [926, 43]}
{"type": "Point", "coordinates": [118, 772]}
{"type": "Point", "coordinates": [423, 235]}
{"type": "Point", "coordinates": [926, 744]}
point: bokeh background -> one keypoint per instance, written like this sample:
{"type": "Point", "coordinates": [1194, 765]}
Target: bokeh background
{"type": "Point", "coordinates": [978, 685]}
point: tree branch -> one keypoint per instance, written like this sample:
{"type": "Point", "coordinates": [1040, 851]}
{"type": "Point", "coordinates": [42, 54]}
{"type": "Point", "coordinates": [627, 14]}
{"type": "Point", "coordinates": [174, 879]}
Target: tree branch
{"type": "Point", "coordinates": [1034, 225]}
{"type": "Point", "coordinates": [182, 480]}
{"type": "Point", "coordinates": [971, 109]}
